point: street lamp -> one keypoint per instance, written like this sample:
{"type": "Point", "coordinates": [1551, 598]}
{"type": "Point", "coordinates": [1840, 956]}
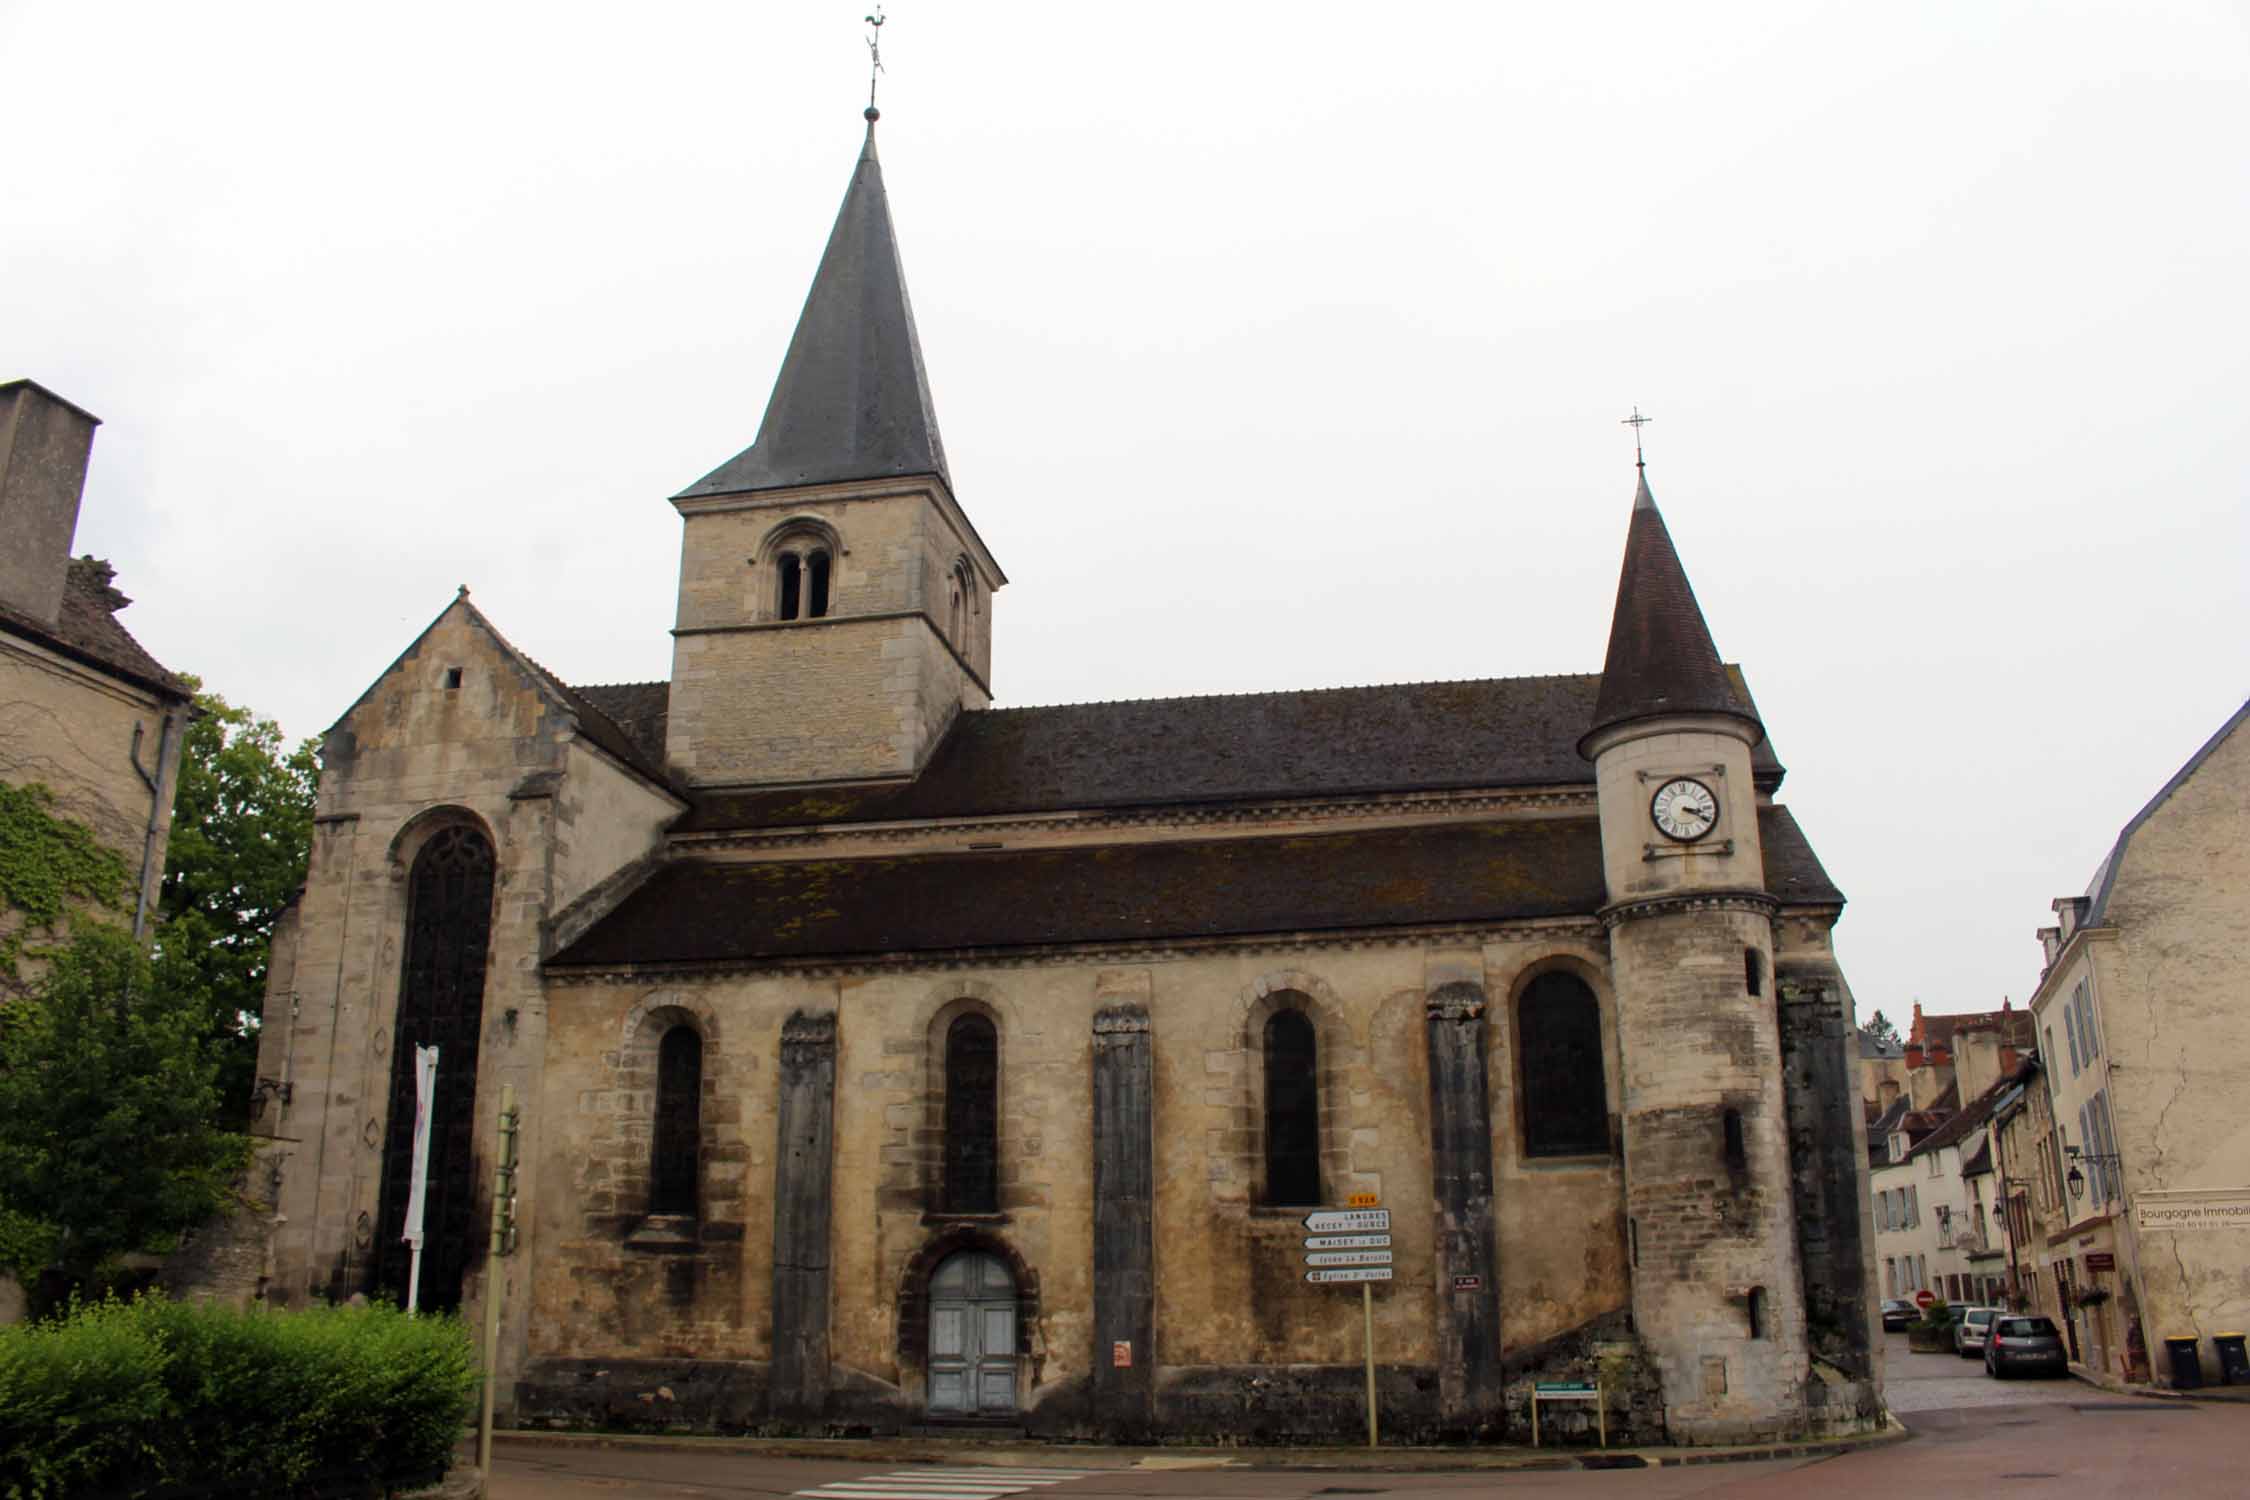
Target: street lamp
{"type": "Point", "coordinates": [2077, 1179]}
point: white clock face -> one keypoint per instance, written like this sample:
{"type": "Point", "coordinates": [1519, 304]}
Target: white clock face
{"type": "Point", "coordinates": [1684, 809]}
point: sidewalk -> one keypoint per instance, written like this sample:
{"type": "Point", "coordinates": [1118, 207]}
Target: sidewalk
{"type": "Point", "coordinates": [878, 1451]}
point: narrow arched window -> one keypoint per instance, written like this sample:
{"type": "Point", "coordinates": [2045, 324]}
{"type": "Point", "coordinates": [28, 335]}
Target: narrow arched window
{"type": "Point", "coordinates": [676, 1163]}
{"type": "Point", "coordinates": [1753, 971]}
{"type": "Point", "coordinates": [1730, 1131]}
{"type": "Point", "coordinates": [441, 1005]}
{"type": "Point", "coordinates": [1559, 1048]}
{"type": "Point", "coordinates": [790, 587]}
{"type": "Point", "coordinates": [1292, 1109]}
{"type": "Point", "coordinates": [816, 586]}
{"type": "Point", "coordinates": [1757, 1311]}
{"type": "Point", "coordinates": [972, 1116]}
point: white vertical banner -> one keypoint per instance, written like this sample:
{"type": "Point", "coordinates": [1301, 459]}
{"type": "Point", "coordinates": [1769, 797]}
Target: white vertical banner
{"type": "Point", "coordinates": [425, 1097]}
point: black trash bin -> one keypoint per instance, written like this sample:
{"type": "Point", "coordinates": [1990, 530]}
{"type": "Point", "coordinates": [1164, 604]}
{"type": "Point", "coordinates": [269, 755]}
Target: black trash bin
{"type": "Point", "coordinates": [2234, 1363]}
{"type": "Point", "coordinates": [2187, 1369]}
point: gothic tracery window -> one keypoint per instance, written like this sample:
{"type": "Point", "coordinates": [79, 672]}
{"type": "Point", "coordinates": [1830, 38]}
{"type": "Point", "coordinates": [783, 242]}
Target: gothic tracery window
{"type": "Point", "coordinates": [972, 1116]}
{"type": "Point", "coordinates": [440, 1004]}
{"type": "Point", "coordinates": [1559, 1044]}
{"type": "Point", "coordinates": [1292, 1066]}
{"type": "Point", "coordinates": [676, 1162]}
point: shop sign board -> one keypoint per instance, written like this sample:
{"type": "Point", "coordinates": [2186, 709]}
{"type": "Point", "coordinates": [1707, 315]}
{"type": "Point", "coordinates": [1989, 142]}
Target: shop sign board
{"type": "Point", "coordinates": [2220, 1209]}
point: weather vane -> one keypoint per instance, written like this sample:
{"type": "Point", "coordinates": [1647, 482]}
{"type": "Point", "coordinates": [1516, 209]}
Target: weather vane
{"type": "Point", "coordinates": [874, 58]}
{"type": "Point", "coordinates": [1636, 421]}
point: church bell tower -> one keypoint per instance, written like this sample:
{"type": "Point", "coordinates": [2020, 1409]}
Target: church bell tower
{"type": "Point", "coordinates": [835, 602]}
{"type": "Point", "coordinates": [1717, 1296]}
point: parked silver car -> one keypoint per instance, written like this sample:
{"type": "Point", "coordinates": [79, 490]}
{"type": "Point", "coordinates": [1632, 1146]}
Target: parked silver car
{"type": "Point", "coordinates": [1970, 1331]}
{"type": "Point", "coordinates": [2021, 1343]}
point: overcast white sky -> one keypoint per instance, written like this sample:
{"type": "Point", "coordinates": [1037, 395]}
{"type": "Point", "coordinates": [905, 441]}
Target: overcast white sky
{"type": "Point", "coordinates": [1274, 347]}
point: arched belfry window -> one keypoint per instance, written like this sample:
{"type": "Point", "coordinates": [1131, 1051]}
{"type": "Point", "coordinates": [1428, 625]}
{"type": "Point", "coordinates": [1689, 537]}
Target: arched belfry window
{"type": "Point", "coordinates": [675, 1167]}
{"type": "Point", "coordinates": [972, 1116]}
{"type": "Point", "coordinates": [1292, 1059]}
{"type": "Point", "coordinates": [1559, 1046]}
{"type": "Point", "coordinates": [801, 582]}
{"type": "Point", "coordinates": [961, 602]}
{"type": "Point", "coordinates": [440, 1004]}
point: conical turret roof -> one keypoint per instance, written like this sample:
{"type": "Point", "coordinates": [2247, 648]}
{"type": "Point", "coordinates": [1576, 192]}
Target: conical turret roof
{"type": "Point", "coordinates": [852, 400]}
{"type": "Point", "coordinates": [1661, 657]}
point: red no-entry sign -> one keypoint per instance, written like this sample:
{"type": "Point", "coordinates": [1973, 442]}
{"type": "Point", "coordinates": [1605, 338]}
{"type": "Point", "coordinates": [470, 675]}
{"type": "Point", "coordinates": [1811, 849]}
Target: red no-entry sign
{"type": "Point", "coordinates": [1924, 1298]}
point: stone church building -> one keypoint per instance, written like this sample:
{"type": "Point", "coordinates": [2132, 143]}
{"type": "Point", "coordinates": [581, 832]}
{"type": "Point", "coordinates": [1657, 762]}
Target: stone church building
{"type": "Point", "coordinates": [890, 1060]}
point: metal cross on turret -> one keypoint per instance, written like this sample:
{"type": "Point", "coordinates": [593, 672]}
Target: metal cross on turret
{"type": "Point", "coordinates": [874, 58]}
{"type": "Point", "coordinates": [1636, 421]}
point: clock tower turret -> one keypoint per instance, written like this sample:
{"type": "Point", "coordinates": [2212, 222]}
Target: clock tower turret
{"type": "Point", "coordinates": [1717, 1295]}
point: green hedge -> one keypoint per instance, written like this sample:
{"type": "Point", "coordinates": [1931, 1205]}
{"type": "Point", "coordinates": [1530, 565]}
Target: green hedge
{"type": "Point", "coordinates": [152, 1398]}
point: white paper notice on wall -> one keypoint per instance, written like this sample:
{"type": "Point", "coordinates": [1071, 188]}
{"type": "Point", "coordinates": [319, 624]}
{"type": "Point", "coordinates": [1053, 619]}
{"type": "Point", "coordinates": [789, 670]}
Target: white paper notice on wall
{"type": "Point", "coordinates": [2214, 1209]}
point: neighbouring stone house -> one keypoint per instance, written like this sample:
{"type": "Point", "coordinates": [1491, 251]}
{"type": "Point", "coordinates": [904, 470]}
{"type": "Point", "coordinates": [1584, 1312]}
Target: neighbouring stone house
{"type": "Point", "coordinates": [2145, 1041]}
{"type": "Point", "coordinates": [889, 1059]}
{"type": "Point", "coordinates": [84, 711]}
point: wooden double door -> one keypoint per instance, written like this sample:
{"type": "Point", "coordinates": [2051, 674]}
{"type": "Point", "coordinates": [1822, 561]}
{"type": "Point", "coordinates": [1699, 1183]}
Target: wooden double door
{"type": "Point", "coordinates": [972, 1337]}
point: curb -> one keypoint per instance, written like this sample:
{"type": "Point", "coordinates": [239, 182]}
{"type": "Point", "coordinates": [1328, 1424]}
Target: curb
{"type": "Point", "coordinates": [1310, 1460]}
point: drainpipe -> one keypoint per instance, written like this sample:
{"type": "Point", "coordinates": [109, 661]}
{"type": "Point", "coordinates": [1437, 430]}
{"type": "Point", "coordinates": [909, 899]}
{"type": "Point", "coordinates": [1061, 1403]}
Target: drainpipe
{"type": "Point", "coordinates": [156, 809]}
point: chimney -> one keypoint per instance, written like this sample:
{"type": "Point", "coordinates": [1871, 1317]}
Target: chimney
{"type": "Point", "coordinates": [1976, 1060]}
{"type": "Point", "coordinates": [44, 441]}
{"type": "Point", "coordinates": [1886, 1094]}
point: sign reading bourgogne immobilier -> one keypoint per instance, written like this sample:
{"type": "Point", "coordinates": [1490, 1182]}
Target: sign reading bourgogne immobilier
{"type": "Point", "coordinates": [2215, 1209]}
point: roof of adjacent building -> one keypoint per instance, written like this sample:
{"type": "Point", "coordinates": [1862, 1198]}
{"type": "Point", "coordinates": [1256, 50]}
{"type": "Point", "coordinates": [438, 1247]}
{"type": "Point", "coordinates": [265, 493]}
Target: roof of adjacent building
{"type": "Point", "coordinates": [852, 400]}
{"type": "Point", "coordinates": [1661, 657]}
{"type": "Point", "coordinates": [705, 912]}
{"type": "Point", "coordinates": [86, 629]}
{"type": "Point", "coordinates": [1935, 1032]}
{"type": "Point", "coordinates": [1251, 747]}
{"type": "Point", "coordinates": [2105, 877]}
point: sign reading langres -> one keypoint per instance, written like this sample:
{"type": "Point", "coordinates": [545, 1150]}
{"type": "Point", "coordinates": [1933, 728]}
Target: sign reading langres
{"type": "Point", "coordinates": [2212, 1209]}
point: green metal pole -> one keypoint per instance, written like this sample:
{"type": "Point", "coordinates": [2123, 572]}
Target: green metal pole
{"type": "Point", "coordinates": [500, 1176]}
{"type": "Point", "coordinates": [1367, 1319]}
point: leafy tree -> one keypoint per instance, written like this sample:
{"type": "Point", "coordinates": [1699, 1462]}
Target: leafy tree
{"type": "Point", "coordinates": [108, 1095]}
{"type": "Point", "coordinates": [241, 834]}
{"type": "Point", "coordinates": [1882, 1030]}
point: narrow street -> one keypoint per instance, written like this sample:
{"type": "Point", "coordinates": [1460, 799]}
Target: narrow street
{"type": "Point", "coordinates": [1996, 1438]}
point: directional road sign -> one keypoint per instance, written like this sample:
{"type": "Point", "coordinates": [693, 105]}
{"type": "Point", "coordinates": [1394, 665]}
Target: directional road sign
{"type": "Point", "coordinates": [1348, 1258]}
{"type": "Point", "coordinates": [1347, 1242]}
{"type": "Point", "coordinates": [1354, 1273]}
{"type": "Point", "coordinates": [1347, 1220]}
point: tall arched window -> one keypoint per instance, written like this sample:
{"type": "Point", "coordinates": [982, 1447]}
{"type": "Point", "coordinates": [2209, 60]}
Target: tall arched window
{"type": "Point", "coordinates": [1559, 1048]}
{"type": "Point", "coordinates": [440, 1004]}
{"type": "Point", "coordinates": [972, 1116]}
{"type": "Point", "coordinates": [1292, 1109]}
{"type": "Point", "coordinates": [675, 1166]}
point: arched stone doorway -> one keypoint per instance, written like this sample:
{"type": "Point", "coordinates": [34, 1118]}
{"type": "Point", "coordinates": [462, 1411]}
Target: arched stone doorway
{"type": "Point", "coordinates": [973, 1312]}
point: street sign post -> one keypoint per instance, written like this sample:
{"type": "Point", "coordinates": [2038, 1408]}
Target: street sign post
{"type": "Point", "coordinates": [1353, 1245]}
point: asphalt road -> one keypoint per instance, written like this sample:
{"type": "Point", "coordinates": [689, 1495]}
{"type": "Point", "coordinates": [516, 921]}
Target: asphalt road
{"type": "Point", "coordinates": [1973, 1435]}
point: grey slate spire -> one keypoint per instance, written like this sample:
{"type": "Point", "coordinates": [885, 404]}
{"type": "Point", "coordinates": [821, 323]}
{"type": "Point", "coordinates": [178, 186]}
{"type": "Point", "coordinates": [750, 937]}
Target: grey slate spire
{"type": "Point", "coordinates": [852, 400]}
{"type": "Point", "coordinates": [1662, 660]}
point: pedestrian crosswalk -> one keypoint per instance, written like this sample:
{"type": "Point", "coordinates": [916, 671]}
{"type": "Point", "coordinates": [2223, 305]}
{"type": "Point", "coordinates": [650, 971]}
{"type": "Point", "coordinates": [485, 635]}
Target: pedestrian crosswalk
{"type": "Point", "coordinates": [972, 1482]}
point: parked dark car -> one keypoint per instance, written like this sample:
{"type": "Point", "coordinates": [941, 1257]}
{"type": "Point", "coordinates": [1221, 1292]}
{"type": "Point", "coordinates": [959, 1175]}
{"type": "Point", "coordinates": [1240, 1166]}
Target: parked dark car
{"type": "Point", "coordinates": [1897, 1313]}
{"type": "Point", "coordinates": [2020, 1343]}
